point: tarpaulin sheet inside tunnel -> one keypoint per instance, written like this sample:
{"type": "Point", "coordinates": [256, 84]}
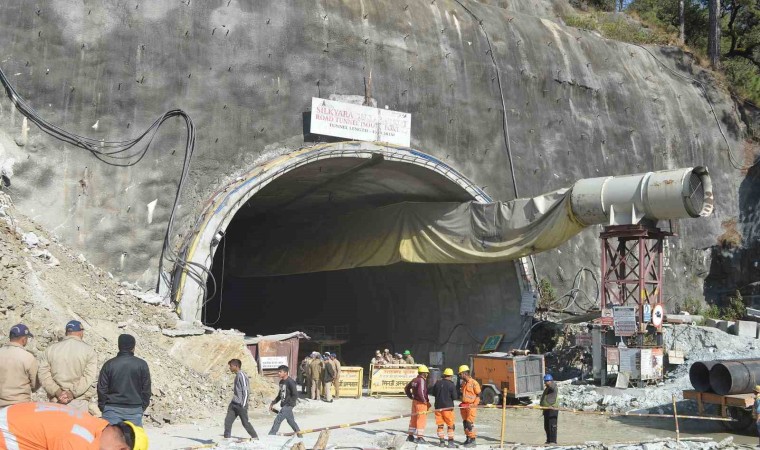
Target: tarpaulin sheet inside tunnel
{"type": "Point", "coordinates": [414, 232]}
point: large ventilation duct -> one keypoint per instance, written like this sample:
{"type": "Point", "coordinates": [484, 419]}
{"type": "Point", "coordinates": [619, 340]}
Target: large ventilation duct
{"type": "Point", "coordinates": [627, 200]}
{"type": "Point", "coordinates": [472, 232]}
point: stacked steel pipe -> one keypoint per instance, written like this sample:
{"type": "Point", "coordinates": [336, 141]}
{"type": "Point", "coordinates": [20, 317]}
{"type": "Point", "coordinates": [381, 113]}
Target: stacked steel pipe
{"type": "Point", "coordinates": [724, 377]}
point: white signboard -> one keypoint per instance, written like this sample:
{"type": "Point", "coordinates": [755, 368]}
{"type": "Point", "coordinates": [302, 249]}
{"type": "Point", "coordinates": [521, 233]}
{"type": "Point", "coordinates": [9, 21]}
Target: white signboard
{"type": "Point", "coordinates": [630, 362]}
{"type": "Point", "coordinates": [273, 362]}
{"type": "Point", "coordinates": [362, 123]}
{"type": "Point", "coordinates": [528, 303]}
{"type": "Point", "coordinates": [624, 318]}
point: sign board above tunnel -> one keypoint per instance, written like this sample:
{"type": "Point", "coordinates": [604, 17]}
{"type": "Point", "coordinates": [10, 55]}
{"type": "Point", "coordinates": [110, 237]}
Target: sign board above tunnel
{"type": "Point", "coordinates": [361, 123]}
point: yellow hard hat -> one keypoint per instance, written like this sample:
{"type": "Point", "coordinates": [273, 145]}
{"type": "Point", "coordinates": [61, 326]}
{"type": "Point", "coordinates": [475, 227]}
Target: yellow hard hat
{"type": "Point", "coordinates": [423, 369]}
{"type": "Point", "coordinates": [141, 439]}
{"type": "Point", "coordinates": [448, 372]}
{"type": "Point", "coordinates": [464, 368]}
{"type": "Point", "coordinates": [757, 388]}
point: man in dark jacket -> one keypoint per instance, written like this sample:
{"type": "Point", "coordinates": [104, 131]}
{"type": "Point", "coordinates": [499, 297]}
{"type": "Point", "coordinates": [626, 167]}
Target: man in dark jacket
{"type": "Point", "coordinates": [416, 390]}
{"type": "Point", "coordinates": [550, 399]}
{"type": "Point", "coordinates": [444, 392]}
{"type": "Point", "coordinates": [124, 385]}
{"type": "Point", "coordinates": [239, 405]}
{"type": "Point", "coordinates": [327, 378]}
{"type": "Point", "coordinates": [287, 396]}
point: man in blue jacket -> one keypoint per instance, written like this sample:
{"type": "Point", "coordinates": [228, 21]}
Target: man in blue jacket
{"type": "Point", "coordinates": [239, 404]}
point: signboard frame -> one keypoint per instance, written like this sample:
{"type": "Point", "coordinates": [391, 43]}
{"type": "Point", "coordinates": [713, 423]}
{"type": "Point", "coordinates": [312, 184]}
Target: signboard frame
{"type": "Point", "coordinates": [491, 343]}
{"type": "Point", "coordinates": [358, 122]}
{"type": "Point", "coordinates": [624, 320]}
{"type": "Point", "coordinates": [351, 382]}
{"type": "Point", "coordinates": [390, 379]}
{"type": "Point", "coordinates": [272, 362]}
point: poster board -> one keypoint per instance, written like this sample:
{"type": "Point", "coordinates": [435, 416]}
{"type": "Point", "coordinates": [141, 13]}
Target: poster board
{"type": "Point", "coordinates": [630, 362]}
{"type": "Point", "coordinates": [651, 363]}
{"type": "Point", "coordinates": [390, 380]}
{"type": "Point", "coordinates": [583, 340]}
{"type": "Point", "coordinates": [350, 382]}
{"type": "Point", "coordinates": [273, 362]}
{"type": "Point", "coordinates": [624, 320]}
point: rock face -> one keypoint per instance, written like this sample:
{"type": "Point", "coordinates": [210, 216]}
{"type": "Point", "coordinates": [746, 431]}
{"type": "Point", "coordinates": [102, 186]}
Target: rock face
{"type": "Point", "coordinates": [46, 296]}
{"type": "Point", "coordinates": [576, 105]}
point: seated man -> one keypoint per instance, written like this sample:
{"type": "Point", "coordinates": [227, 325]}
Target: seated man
{"type": "Point", "coordinates": [49, 426]}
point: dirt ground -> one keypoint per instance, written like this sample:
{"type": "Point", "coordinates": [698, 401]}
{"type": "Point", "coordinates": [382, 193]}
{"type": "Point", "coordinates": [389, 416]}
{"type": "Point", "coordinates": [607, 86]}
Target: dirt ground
{"type": "Point", "coordinates": [522, 426]}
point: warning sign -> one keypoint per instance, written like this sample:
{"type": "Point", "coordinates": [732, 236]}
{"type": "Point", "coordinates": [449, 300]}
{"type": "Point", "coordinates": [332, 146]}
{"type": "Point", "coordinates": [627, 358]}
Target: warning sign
{"type": "Point", "coordinates": [389, 380]}
{"type": "Point", "coordinates": [624, 320]}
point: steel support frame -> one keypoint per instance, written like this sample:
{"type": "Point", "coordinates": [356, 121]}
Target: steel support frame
{"type": "Point", "coordinates": [632, 263]}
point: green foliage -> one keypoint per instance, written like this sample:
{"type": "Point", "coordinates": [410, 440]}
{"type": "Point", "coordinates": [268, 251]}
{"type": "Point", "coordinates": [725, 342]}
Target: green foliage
{"type": "Point", "coordinates": [744, 77]}
{"type": "Point", "coordinates": [740, 35]}
{"type": "Point", "coordinates": [692, 306]}
{"type": "Point", "coordinates": [712, 312]}
{"type": "Point", "coordinates": [735, 309]}
{"type": "Point", "coordinates": [618, 27]}
{"type": "Point", "coordinates": [548, 294]}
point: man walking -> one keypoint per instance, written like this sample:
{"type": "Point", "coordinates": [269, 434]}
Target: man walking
{"type": "Point", "coordinates": [47, 426]}
{"type": "Point", "coordinates": [327, 378]}
{"type": "Point", "coordinates": [336, 383]}
{"type": "Point", "coordinates": [408, 358]}
{"type": "Point", "coordinates": [18, 370]}
{"type": "Point", "coordinates": [470, 401]}
{"type": "Point", "coordinates": [69, 369]}
{"type": "Point", "coordinates": [239, 405]}
{"type": "Point", "coordinates": [124, 385]}
{"type": "Point", "coordinates": [287, 396]}
{"type": "Point", "coordinates": [444, 392]}
{"type": "Point", "coordinates": [315, 372]}
{"type": "Point", "coordinates": [417, 391]}
{"type": "Point", "coordinates": [550, 399]}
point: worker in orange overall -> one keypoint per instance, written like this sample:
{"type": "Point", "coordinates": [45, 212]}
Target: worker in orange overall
{"type": "Point", "coordinates": [468, 407]}
{"type": "Point", "coordinates": [417, 391]}
{"type": "Point", "coordinates": [50, 426]}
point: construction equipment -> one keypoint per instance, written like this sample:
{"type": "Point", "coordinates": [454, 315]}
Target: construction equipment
{"type": "Point", "coordinates": [521, 376]}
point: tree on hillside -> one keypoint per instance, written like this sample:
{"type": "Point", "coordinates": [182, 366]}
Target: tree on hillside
{"type": "Point", "coordinates": [713, 33]}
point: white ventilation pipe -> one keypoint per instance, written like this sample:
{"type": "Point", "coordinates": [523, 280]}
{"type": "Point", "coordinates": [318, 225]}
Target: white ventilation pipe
{"type": "Point", "coordinates": [629, 199]}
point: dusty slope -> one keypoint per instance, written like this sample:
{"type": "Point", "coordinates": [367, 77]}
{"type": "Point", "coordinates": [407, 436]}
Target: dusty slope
{"type": "Point", "coordinates": [44, 286]}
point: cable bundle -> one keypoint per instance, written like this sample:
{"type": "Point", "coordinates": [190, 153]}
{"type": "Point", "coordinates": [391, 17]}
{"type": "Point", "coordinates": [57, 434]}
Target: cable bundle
{"type": "Point", "coordinates": [126, 153]}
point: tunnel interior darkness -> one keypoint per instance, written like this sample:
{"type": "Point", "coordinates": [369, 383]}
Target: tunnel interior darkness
{"type": "Point", "coordinates": [421, 307]}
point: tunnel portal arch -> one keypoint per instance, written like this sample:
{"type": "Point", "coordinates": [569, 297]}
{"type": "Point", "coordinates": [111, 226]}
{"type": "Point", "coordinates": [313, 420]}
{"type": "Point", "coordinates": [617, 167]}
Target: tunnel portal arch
{"type": "Point", "coordinates": [226, 203]}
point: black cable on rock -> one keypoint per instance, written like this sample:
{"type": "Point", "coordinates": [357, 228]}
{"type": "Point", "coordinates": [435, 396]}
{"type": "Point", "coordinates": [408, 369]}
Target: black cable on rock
{"type": "Point", "coordinates": [126, 153]}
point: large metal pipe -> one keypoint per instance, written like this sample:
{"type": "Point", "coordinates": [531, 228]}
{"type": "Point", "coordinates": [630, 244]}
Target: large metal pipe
{"type": "Point", "coordinates": [699, 375]}
{"type": "Point", "coordinates": [628, 199]}
{"type": "Point", "coordinates": [735, 377]}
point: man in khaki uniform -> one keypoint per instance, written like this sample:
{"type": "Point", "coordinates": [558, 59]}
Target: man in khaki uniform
{"type": "Point", "coordinates": [69, 369]}
{"type": "Point", "coordinates": [315, 372]}
{"type": "Point", "coordinates": [18, 370]}
{"type": "Point", "coordinates": [336, 364]}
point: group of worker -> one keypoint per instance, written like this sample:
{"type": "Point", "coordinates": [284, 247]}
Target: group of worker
{"type": "Point", "coordinates": [445, 392]}
{"type": "Point", "coordinates": [68, 372]}
{"type": "Point", "coordinates": [386, 358]}
{"type": "Point", "coordinates": [320, 374]}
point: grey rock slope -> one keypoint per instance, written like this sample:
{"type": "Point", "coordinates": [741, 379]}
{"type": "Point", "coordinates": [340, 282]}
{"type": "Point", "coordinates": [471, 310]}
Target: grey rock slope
{"type": "Point", "coordinates": [577, 105]}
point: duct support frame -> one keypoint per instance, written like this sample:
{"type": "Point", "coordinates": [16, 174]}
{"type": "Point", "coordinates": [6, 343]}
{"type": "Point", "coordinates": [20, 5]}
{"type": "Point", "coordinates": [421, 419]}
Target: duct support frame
{"type": "Point", "coordinates": [220, 209]}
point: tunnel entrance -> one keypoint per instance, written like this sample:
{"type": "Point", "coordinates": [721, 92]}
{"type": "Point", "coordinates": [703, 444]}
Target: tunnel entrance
{"type": "Point", "coordinates": [420, 307]}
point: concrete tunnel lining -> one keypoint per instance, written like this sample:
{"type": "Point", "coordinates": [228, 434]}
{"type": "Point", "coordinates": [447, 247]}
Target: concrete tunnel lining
{"type": "Point", "coordinates": [222, 208]}
{"type": "Point", "coordinates": [291, 187]}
